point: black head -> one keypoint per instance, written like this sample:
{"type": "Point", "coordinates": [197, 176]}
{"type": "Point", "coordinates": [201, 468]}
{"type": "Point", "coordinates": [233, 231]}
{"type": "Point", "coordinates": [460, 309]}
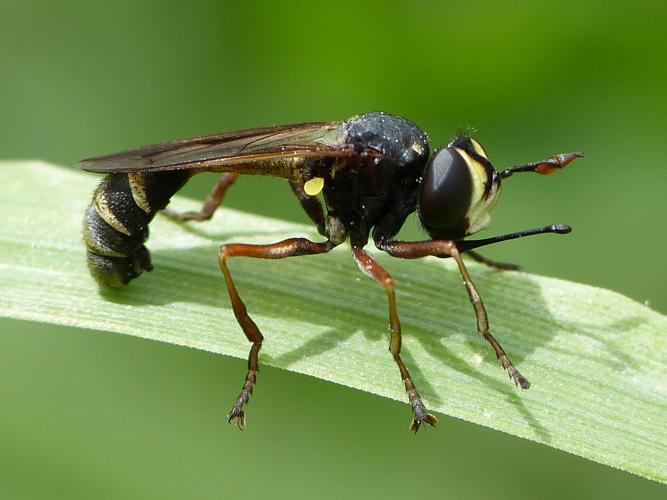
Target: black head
{"type": "Point", "coordinates": [458, 190]}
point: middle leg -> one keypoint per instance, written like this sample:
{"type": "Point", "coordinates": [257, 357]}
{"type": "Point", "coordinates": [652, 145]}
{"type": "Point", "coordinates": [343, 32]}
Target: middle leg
{"type": "Point", "coordinates": [371, 268]}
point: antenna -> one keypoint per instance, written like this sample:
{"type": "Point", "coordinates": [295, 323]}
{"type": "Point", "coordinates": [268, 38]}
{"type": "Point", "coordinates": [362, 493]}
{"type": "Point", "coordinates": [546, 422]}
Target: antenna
{"type": "Point", "coordinates": [544, 167]}
{"type": "Point", "coordinates": [464, 246]}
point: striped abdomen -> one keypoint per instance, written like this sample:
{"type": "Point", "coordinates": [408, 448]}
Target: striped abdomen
{"type": "Point", "coordinates": [115, 225]}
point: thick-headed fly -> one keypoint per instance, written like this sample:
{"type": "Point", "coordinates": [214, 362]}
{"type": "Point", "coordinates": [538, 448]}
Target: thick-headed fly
{"type": "Point", "coordinates": [371, 171]}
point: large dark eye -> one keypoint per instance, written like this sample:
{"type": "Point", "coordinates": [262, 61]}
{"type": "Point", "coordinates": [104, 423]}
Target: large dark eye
{"type": "Point", "coordinates": [446, 194]}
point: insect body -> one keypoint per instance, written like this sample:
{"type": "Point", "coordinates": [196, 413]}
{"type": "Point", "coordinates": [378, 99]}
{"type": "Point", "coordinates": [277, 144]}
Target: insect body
{"type": "Point", "coordinates": [372, 171]}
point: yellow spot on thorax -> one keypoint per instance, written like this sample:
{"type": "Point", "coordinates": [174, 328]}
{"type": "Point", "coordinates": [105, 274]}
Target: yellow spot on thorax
{"type": "Point", "coordinates": [314, 186]}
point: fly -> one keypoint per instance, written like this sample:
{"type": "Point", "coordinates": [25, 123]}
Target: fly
{"type": "Point", "coordinates": [357, 179]}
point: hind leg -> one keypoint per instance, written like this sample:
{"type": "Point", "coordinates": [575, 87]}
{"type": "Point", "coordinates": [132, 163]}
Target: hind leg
{"type": "Point", "coordinates": [210, 205]}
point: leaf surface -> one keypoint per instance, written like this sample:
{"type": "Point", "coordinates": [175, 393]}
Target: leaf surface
{"type": "Point", "coordinates": [596, 359]}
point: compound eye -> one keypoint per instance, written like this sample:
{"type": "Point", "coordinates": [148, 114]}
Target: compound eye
{"type": "Point", "coordinates": [446, 194]}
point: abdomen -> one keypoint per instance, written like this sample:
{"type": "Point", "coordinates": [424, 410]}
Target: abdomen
{"type": "Point", "coordinates": [115, 225]}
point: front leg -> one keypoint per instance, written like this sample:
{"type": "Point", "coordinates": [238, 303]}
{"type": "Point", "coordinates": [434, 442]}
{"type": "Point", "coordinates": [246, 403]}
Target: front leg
{"type": "Point", "coordinates": [286, 248]}
{"type": "Point", "coordinates": [311, 205]}
{"type": "Point", "coordinates": [445, 248]}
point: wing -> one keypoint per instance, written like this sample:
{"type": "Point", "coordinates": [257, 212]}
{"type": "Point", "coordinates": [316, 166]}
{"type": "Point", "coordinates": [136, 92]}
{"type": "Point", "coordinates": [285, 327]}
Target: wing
{"type": "Point", "coordinates": [234, 151]}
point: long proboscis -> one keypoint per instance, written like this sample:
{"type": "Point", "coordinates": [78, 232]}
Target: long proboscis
{"type": "Point", "coordinates": [464, 246]}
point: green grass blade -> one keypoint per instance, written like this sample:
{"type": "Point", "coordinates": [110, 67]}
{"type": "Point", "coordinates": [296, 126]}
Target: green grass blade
{"type": "Point", "coordinates": [596, 359]}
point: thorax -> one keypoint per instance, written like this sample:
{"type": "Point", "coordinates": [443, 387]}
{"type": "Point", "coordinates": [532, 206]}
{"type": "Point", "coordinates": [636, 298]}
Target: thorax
{"type": "Point", "coordinates": [385, 176]}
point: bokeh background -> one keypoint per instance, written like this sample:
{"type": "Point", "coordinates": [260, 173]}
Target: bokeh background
{"type": "Point", "coordinates": [89, 415]}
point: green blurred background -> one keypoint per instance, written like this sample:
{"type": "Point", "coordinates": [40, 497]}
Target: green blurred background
{"type": "Point", "coordinates": [104, 416]}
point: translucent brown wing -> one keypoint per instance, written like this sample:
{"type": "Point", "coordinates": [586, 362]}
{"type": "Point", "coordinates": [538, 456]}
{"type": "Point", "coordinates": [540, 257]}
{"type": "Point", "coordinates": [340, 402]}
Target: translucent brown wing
{"type": "Point", "coordinates": [222, 152]}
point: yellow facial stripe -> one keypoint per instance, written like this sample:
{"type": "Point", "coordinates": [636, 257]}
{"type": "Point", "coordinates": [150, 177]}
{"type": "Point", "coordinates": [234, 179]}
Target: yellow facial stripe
{"type": "Point", "coordinates": [314, 186]}
{"type": "Point", "coordinates": [478, 174]}
{"type": "Point", "coordinates": [479, 211]}
{"type": "Point", "coordinates": [478, 148]}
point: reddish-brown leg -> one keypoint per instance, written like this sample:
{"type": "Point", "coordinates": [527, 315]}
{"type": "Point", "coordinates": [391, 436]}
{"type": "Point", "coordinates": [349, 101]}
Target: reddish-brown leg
{"type": "Point", "coordinates": [210, 205]}
{"type": "Point", "coordinates": [286, 248]}
{"type": "Point", "coordinates": [371, 268]}
{"type": "Point", "coordinates": [490, 262]}
{"type": "Point", "coordinates": [442, 248]}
